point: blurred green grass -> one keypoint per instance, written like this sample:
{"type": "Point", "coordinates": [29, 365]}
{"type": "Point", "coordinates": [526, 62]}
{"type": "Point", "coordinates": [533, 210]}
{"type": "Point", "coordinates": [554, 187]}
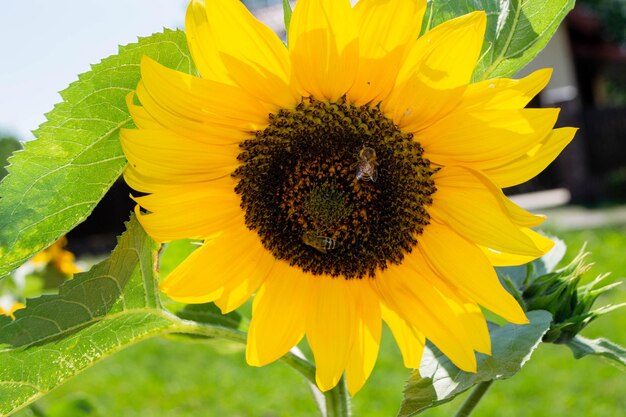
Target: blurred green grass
{"type": "Point", "coordinates": [172, 378]}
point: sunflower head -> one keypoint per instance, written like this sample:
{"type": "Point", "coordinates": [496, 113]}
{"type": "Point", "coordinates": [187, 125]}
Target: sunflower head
{"type": "Point", "coordinates": [310, 187]}
{"type": "Point", "coordinates": [352, 177]}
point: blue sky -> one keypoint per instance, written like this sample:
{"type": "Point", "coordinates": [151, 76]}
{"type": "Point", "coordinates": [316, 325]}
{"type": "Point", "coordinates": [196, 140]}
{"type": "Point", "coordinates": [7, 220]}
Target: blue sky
{"type": "Point", "coordinates": [44, 44]}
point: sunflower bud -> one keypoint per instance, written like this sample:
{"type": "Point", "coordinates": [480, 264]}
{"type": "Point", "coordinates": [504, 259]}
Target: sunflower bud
{"type": "Point", "coordinates": [559, 293]}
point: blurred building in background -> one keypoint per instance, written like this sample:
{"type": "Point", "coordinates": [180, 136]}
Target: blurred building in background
{"type": "Point", "coordinates": [588, 54]}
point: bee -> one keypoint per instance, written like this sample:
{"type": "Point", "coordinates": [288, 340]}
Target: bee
{"type": "Point", "coordinates": [321, 243]}
{"type": "Point", "coordinates": [366, 167]}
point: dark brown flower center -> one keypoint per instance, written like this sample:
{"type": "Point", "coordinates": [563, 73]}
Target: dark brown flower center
{"type": "Point", "coordinates": [334, 188]}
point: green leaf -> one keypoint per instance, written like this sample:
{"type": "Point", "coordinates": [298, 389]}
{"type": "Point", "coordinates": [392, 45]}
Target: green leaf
{"type": "Point", "coordinates": [516, 29]}
{"type": "Point", "coordinates": [439, 381]}
{"type": "Point", "coordinates": [58, 179]}
{"type": "Point", "coordinates": [209, 313]}
{"type": "Point", "coordinates": [173, 253]}
{"type": "Point", "coordinates": [8, 145]}
{"type": "Point", "coordinates": [581, 347]}
{"type": "Point", "coordinates": [94, 315]}
{"type": "Point", "coordinates": [287, 11]}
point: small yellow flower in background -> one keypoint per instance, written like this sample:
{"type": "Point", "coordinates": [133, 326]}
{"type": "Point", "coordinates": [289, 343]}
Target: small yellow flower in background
{"type": "Point", "coordinates": [352, 177]}
{"type": "Point", "coordinates": [9, 305]}
{"type": "Point", "coordinates": [62, 260]}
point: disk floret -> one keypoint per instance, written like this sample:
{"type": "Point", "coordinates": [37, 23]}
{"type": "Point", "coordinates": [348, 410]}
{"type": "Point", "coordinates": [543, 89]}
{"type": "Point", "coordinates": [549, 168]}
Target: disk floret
{"type": "Point", "coordinates": [335, 188]}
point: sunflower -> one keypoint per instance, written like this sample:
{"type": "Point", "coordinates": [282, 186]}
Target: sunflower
{"type": "Point", "coordinates": [352, 177]}
{"type": "Point", "coordinates": [9, 305]}
{"type": "Point", "coordinates": [61, 259]}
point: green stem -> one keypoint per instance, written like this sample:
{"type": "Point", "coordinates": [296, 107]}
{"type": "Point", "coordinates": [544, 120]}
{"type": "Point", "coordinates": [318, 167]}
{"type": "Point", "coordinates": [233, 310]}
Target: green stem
{"type": "Point", "coordinates": [199, 329]}
{"type": "Point", "coordinates": [472, 400]}
{"type": "Point", "coordinates": [338, 400]}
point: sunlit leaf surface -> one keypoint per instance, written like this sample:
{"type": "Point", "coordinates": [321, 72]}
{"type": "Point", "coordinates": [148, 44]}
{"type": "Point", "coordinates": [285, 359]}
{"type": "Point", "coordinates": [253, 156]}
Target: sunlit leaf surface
{"type": "Point", "coordinates": [516, 29]}
{"type": "Point", "coordinates": [439, 381]}
{"type": "Point", "coordinates": [58, 179]}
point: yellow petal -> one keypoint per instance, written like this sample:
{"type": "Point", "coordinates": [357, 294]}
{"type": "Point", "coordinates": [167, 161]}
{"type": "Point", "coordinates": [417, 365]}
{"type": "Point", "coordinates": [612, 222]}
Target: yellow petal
{"type": "Point", "coordinates": [331, 327]}
{"type": "Point", "coordinates": [424, 307]}
{"type": "Point", "coordinates": [191, 211]}
{"type": "Point", "coordinates": [435, 73]}
{"type": "Point", "coordinates": [199, 37]}
{"type": "Point", "coordinates": [240, 37]}
{"type": "Point", "coordinates": [445, 56]}
{"type": "Point", "coordinates": [263, 84]}
{"type": "Point", "coordinates": [232, 255]}
{"type": "Point", "coordinates": [475, 324]}
{"type": "Point", "coordinates": [237, 292]}
{"type": "Point", "coordinates": [144, 182]}
{"type": "Point", "coordinates": [324, 47]}
{"type": "Point", "coordinates": [498, 258]}
{"type": "Point", "coordinates": [465, 204]}
{"type": "Point", "coordinates": [464, 266]}
{"type": "Point", "coordinates": [518, 215]}
{"type": "Point", "coordinates": [176, 159]}
{"type": "Point", "coordinates": [141, 117]}
{"type": "Point", "coordinates": [543, 243]}
{"type": "Point", "coordinates": [190, 275]}
{"type": "Point", "coordinates": [505, 93]}
{"type": "Point", "coordinates": [467, 312]}
{"type": "Point", "coordinates": [486, 138]}
{"type": "Point", "coordinates": [65, 263]}
{"type": "Point", "coordinates": [230, 38]}
{"type": "Point", "coordinates": [201, 100]}
{"type": "Point", "coordinates": [410, 341]}
{"type": "Point", "coordinates": [386, 29]}
{"type": "Point", "coordinates": [211, 130]}
{"type": "Point", "coordinates": [408, 109]}
{"type": "Point", "coordinates": [439, 66]}
{"type": "Point", "coordinates": [367, 339]}
{"type": "Point", "coordinates": [279, 314]}
{"type": "Point", "coordinates": [527, 166]}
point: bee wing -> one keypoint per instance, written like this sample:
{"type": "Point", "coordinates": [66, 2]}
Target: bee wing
{"type": "Point", "coordinates": [374, 173]}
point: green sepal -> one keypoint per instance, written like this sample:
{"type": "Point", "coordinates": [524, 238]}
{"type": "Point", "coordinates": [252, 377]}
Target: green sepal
{"type": "Point", "coordinates": [569, 302]}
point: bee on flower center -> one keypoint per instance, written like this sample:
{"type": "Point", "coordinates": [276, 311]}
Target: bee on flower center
{"type": "Point", "coordinates": [366, 167]}
{"type": "Point", "coordinates": [321, 243]}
